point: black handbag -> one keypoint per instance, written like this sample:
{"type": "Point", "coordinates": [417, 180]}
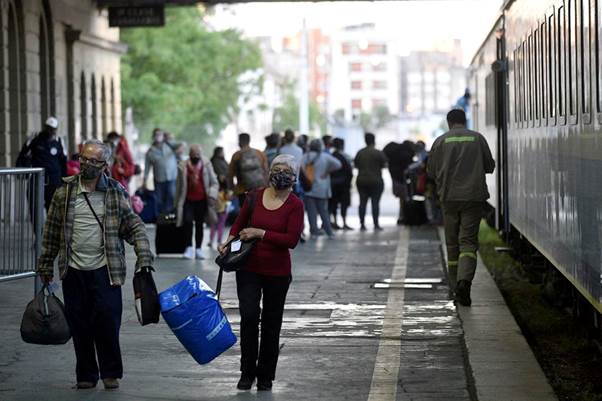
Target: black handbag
{"type": "Point", "coordinates": [146, 297]}
{"type": "Point", "coordinates": [44, 321]}
{"type": "Point", "coordinates": [235, 259]}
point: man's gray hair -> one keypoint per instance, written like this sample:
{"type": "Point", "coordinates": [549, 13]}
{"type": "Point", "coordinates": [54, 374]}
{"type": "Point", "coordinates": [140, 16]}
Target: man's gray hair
{"type": "Point", "coordinates": [286, 160]}
{"type": "Point", "coordinates": [106, 150]}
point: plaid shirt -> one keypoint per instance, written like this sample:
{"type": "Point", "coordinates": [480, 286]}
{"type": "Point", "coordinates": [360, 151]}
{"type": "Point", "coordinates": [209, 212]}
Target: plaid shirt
{"type": "Point", "coordinates": [120, 223]}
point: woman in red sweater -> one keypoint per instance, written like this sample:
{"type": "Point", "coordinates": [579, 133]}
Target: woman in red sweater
{"type": "Point", "coordinates": [277, 222]}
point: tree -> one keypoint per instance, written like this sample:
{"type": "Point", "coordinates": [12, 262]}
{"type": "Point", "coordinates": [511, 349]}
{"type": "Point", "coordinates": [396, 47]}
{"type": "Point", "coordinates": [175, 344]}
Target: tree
{"type": "Point", "coordinates": [185, 78]}
{"type": "Point", "coordinates": [287, 115]}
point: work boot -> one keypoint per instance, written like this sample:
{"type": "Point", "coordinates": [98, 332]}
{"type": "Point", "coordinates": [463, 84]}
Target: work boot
{"type": "Point", "coordinates": [245, 382]}
{"type": "Point", "coordinates": [264, 385]}
{"type": "Point", "coordinates": [85, 385]}
{"type": "Point", "coordinates": [463, 293]}
{"type": "Point", "coordinates": [110, 384]}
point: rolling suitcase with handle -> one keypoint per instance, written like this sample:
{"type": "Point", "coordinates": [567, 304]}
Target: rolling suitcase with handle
{"type": "Point", "coordinates": [169, 238]}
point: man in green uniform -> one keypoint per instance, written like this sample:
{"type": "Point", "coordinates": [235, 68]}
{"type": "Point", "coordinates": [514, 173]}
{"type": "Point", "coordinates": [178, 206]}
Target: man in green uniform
{"type": "Point", "coordinates": [458, 162]}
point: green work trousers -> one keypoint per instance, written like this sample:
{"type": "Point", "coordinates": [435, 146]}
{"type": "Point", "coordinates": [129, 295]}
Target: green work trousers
{"type": "Point", "coordinates": [461, 221]}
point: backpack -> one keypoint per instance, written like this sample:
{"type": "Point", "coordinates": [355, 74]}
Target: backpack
{"type": "Point", "coordinates": [251, 170]}
{"type": "Point", "coordinates": [310, 172]}
{"type": "Point", "coordinates": [24, 159]}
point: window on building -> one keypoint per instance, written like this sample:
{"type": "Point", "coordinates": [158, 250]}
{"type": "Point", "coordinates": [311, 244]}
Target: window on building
{"type": "Point", "coordinates": [379, 84]}
{"type": "Point", "coordinates": [103, 106]}
{"type": "Point", "coordinates": [355, 67]}
{"type": "Point", "coordinates": [375, 48]}
{"type": "Point", "coordinates": [379, 103]}
{"type": "Point", "coordinates": [356, 85]}
{"type": "Point", "coordinates": [94, 98]}
{"type": "Point", "coordinates": [379, 66]}
{"type": "Point", "coordinates": [346, 48]}
{"type": "Point", "coordinates": [83, 104]}
{"type": "Point", "coordinates": [16, 79]}
{"type": "Point", "coordinates": [356, 104]}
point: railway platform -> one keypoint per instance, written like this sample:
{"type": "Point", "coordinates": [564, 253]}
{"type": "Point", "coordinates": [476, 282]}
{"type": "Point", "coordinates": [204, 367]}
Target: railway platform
{"type": "Point", "coordinates": [367, 318]}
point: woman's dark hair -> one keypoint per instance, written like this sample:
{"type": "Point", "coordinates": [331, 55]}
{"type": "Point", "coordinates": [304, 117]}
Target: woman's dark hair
{"type": "Point", "coordinates": [217, 151]}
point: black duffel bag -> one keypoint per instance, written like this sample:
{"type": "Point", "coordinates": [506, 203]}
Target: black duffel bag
{"type": "Point", "coordinates": [236, 255]}
{"type": "Point", "coordinates": [44, 321]}
{"type": "Point", "coordinates": [146, 297]}
{"type": "Point", "coordinates": [237, 251]}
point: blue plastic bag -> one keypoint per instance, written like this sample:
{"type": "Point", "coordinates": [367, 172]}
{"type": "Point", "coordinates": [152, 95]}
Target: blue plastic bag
{"type": "Point", "coordinates": [195, 316]}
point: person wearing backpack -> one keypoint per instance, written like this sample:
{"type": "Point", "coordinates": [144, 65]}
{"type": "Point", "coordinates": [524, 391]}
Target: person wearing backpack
{"type": "Point", "coordinates": [46, 150]}
{"type": "Point", "coordinates": [340, 181]}
{"type": "Point", "coordinates": [250, 168]}
{"type": "Point", "coordinates": [318, 165]}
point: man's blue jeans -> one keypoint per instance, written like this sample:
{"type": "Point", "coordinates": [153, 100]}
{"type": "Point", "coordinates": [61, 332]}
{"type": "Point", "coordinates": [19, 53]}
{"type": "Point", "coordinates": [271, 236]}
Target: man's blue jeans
{"type": "Point", "coordinates": [166, 192]}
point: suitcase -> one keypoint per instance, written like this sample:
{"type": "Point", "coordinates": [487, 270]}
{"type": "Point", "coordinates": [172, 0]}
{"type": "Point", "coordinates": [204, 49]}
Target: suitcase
{"type": "Point", "coordinates": [169, 239]}
{"type": "Point", "coordinates": [414, 212]}
{"type": "Point", "coordinates": [149, 211]}
{"type": "Point", "coordinates": [192, 311]}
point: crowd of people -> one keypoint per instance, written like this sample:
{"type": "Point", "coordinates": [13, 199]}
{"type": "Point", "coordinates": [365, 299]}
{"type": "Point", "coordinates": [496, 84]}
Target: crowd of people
{"type": "Point", "coordinates": [90, 214]}
{"type": "Point", "coordinates": [203, 191]}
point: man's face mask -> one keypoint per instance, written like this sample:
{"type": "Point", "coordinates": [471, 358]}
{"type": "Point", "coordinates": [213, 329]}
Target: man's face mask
{"type": "Point", "coordinates": [282, 179]}
{"type": "Point", "coordinates": [91, 168]}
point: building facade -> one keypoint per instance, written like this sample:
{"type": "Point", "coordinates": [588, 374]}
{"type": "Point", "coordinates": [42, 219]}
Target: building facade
{"type": "Point", "coordinates": [431, 80]}
{"type": "Point", "coordinates": [57, 57]}
{"type": "Point", "coordinates": [365, 72]}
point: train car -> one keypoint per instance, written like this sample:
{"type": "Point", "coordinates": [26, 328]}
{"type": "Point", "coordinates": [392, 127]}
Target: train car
{"type": "Point", "coordinates": [538, 75]}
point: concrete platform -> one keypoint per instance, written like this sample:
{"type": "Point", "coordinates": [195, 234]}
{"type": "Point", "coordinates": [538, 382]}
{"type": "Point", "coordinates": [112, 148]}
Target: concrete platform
{"type": "Point", "coordinates": [367, 318]}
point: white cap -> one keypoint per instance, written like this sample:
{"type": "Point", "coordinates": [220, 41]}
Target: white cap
{"type": "Point", "coordinates": [52, 122]}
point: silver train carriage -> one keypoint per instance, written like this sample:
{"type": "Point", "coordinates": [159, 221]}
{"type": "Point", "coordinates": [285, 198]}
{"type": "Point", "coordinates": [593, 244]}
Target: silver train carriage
{"type": "Point", "coordinates": [537, 98]}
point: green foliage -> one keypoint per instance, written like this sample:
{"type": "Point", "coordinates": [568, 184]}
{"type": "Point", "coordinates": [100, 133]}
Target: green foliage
{"type": "Point", "coordinates": [287, 116]}
{"type": "Point", "coordinates": [379, 118]}
{"type": "Point", "coordinates": [185, 78]}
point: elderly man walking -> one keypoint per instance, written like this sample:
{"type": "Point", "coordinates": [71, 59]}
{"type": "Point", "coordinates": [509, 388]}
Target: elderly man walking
{"type": "Point", "coordinates": [88, 219]}
{"type": "Point", "coordinates": [458, 162]}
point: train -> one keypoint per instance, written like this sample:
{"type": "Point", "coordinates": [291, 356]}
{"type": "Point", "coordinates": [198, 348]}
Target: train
{"type": "Point", "coordinates": [536, 91]}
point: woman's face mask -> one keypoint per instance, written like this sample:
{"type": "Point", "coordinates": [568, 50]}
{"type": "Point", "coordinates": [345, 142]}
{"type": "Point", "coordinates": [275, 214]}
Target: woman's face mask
{"type": "Point", "coordinates": [282, 178]}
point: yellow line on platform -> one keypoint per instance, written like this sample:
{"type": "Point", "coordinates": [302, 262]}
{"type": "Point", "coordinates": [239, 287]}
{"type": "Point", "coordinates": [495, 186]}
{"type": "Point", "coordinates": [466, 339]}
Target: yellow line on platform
{"type": "Point", "coordinates": [386, 367]}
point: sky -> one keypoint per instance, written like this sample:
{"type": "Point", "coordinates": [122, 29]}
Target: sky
{"type": "Point", "coordinates": [424, 23]}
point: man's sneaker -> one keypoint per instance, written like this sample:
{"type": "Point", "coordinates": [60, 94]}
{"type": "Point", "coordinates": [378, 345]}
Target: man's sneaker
{"type": "Point", "coordinates": [199, 254]}
{"type": "Point", "coordinates": [264, 385]}
{"type": "Point", "coordinates": [463, 293]}
{"type": "Point", "coordinates": [245, 382]}
{"type": "Point", "coordinates": [85, 385]}
{"type": "Point", "coordinates": [110, 384]}
{"type": "Point", "coordinates": [189, 253]}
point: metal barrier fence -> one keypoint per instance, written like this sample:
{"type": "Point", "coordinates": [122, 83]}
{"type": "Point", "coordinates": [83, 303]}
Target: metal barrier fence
{"type": "Point", "coordinates": [21, 221]}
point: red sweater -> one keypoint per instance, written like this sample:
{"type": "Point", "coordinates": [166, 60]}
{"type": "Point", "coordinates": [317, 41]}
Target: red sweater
{"type": "Point", "coordinates": [283, 228]}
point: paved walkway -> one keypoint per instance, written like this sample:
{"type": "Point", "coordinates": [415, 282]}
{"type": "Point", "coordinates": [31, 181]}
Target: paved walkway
{"type": "Point", "coordinates": [367, 318]}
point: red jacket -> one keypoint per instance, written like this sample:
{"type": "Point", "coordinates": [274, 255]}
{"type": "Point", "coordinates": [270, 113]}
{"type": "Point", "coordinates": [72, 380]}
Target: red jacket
{"type": "Point", "coordinates": [124, 162]}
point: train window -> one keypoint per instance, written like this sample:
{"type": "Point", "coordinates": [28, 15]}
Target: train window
{"type": "Point", "coordinates": [523, 86]}
{"type": "Point", "coordinates": [585, 46]}
{"type": "Point", "coordinates": [561, 65]}
{"type": "Point", "coordinates": [542, 70]}
{"type": "Point", "coordinates": [516, 86]}
{"type": "Point", "coordinates": [536, 74]}
{"type": "Point", "coordinates": [572, 29]}
{"type": "Point", "coordinates": [529, 77]}
{"type": "Point", "coordinates": [552, 66]}
{"type": "Point", "coordinates": [596, 51]}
